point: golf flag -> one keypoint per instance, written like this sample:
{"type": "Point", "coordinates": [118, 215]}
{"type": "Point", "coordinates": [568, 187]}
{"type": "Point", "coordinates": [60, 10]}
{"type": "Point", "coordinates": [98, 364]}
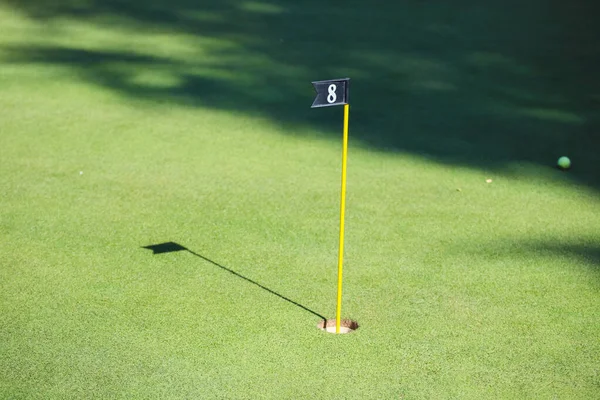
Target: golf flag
{"type": "Point", "coordinates": [332, 92]}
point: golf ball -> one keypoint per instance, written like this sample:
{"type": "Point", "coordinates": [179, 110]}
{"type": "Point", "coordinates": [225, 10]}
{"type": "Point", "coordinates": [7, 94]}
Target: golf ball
{"type": "Point", "coordinates": [564, 162]}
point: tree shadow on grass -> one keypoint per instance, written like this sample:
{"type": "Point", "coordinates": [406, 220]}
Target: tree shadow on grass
{"type": "Point", "coordinates": [583, 252]}
{"type": "Point", "coordinates": [169, 247]}
{"type": "Point", "coordinates": [588, 254]}
{"type": "Point", "coordinates": [481, 84]}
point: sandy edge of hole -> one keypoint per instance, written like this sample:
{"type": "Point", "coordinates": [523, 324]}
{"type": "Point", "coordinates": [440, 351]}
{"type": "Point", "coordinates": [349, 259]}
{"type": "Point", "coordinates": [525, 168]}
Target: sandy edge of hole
{"type": "Point", "coordinates": [346, 325]}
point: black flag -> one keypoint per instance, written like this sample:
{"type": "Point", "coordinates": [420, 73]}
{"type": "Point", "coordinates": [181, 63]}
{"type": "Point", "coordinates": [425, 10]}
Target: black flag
{"type": "Point", "coordinates": [333, 92]}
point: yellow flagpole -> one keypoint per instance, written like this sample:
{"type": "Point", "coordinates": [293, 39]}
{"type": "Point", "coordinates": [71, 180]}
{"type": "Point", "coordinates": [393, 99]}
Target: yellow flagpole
{"type": "Point", "coordinates": [342, 217]}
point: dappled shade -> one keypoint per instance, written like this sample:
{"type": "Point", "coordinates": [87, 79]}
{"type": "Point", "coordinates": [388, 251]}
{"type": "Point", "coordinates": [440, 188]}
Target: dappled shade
{"type": "Point", "coordinates": [481, 84]}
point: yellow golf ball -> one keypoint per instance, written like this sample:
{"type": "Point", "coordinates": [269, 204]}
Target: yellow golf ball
{"type": "Point", "coordinates": [564, 162]}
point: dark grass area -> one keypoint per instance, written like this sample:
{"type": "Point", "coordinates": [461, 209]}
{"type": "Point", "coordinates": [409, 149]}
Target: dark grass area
{"type": "Point", "coordinates": [481, 84]}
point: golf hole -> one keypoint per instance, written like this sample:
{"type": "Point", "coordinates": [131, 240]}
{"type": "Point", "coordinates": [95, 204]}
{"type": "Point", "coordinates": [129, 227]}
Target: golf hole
{"type": "Point", "coordinates": [346, 326]}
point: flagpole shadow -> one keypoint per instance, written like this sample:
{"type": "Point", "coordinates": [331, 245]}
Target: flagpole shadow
{"type": "Point", "coordinates": [169, 247]}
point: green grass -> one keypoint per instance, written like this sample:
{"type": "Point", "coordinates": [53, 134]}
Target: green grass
{"type": "Point", "coordinates": [122, 128]}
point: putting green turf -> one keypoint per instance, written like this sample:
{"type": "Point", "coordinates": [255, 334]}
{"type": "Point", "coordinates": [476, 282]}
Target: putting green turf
{"type": "Point", "coordinates": [462, 288]}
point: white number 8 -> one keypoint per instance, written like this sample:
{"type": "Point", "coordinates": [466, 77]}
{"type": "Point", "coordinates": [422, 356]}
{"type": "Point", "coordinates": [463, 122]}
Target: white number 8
{"type": "Point", "coordinates": [332, 97]}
